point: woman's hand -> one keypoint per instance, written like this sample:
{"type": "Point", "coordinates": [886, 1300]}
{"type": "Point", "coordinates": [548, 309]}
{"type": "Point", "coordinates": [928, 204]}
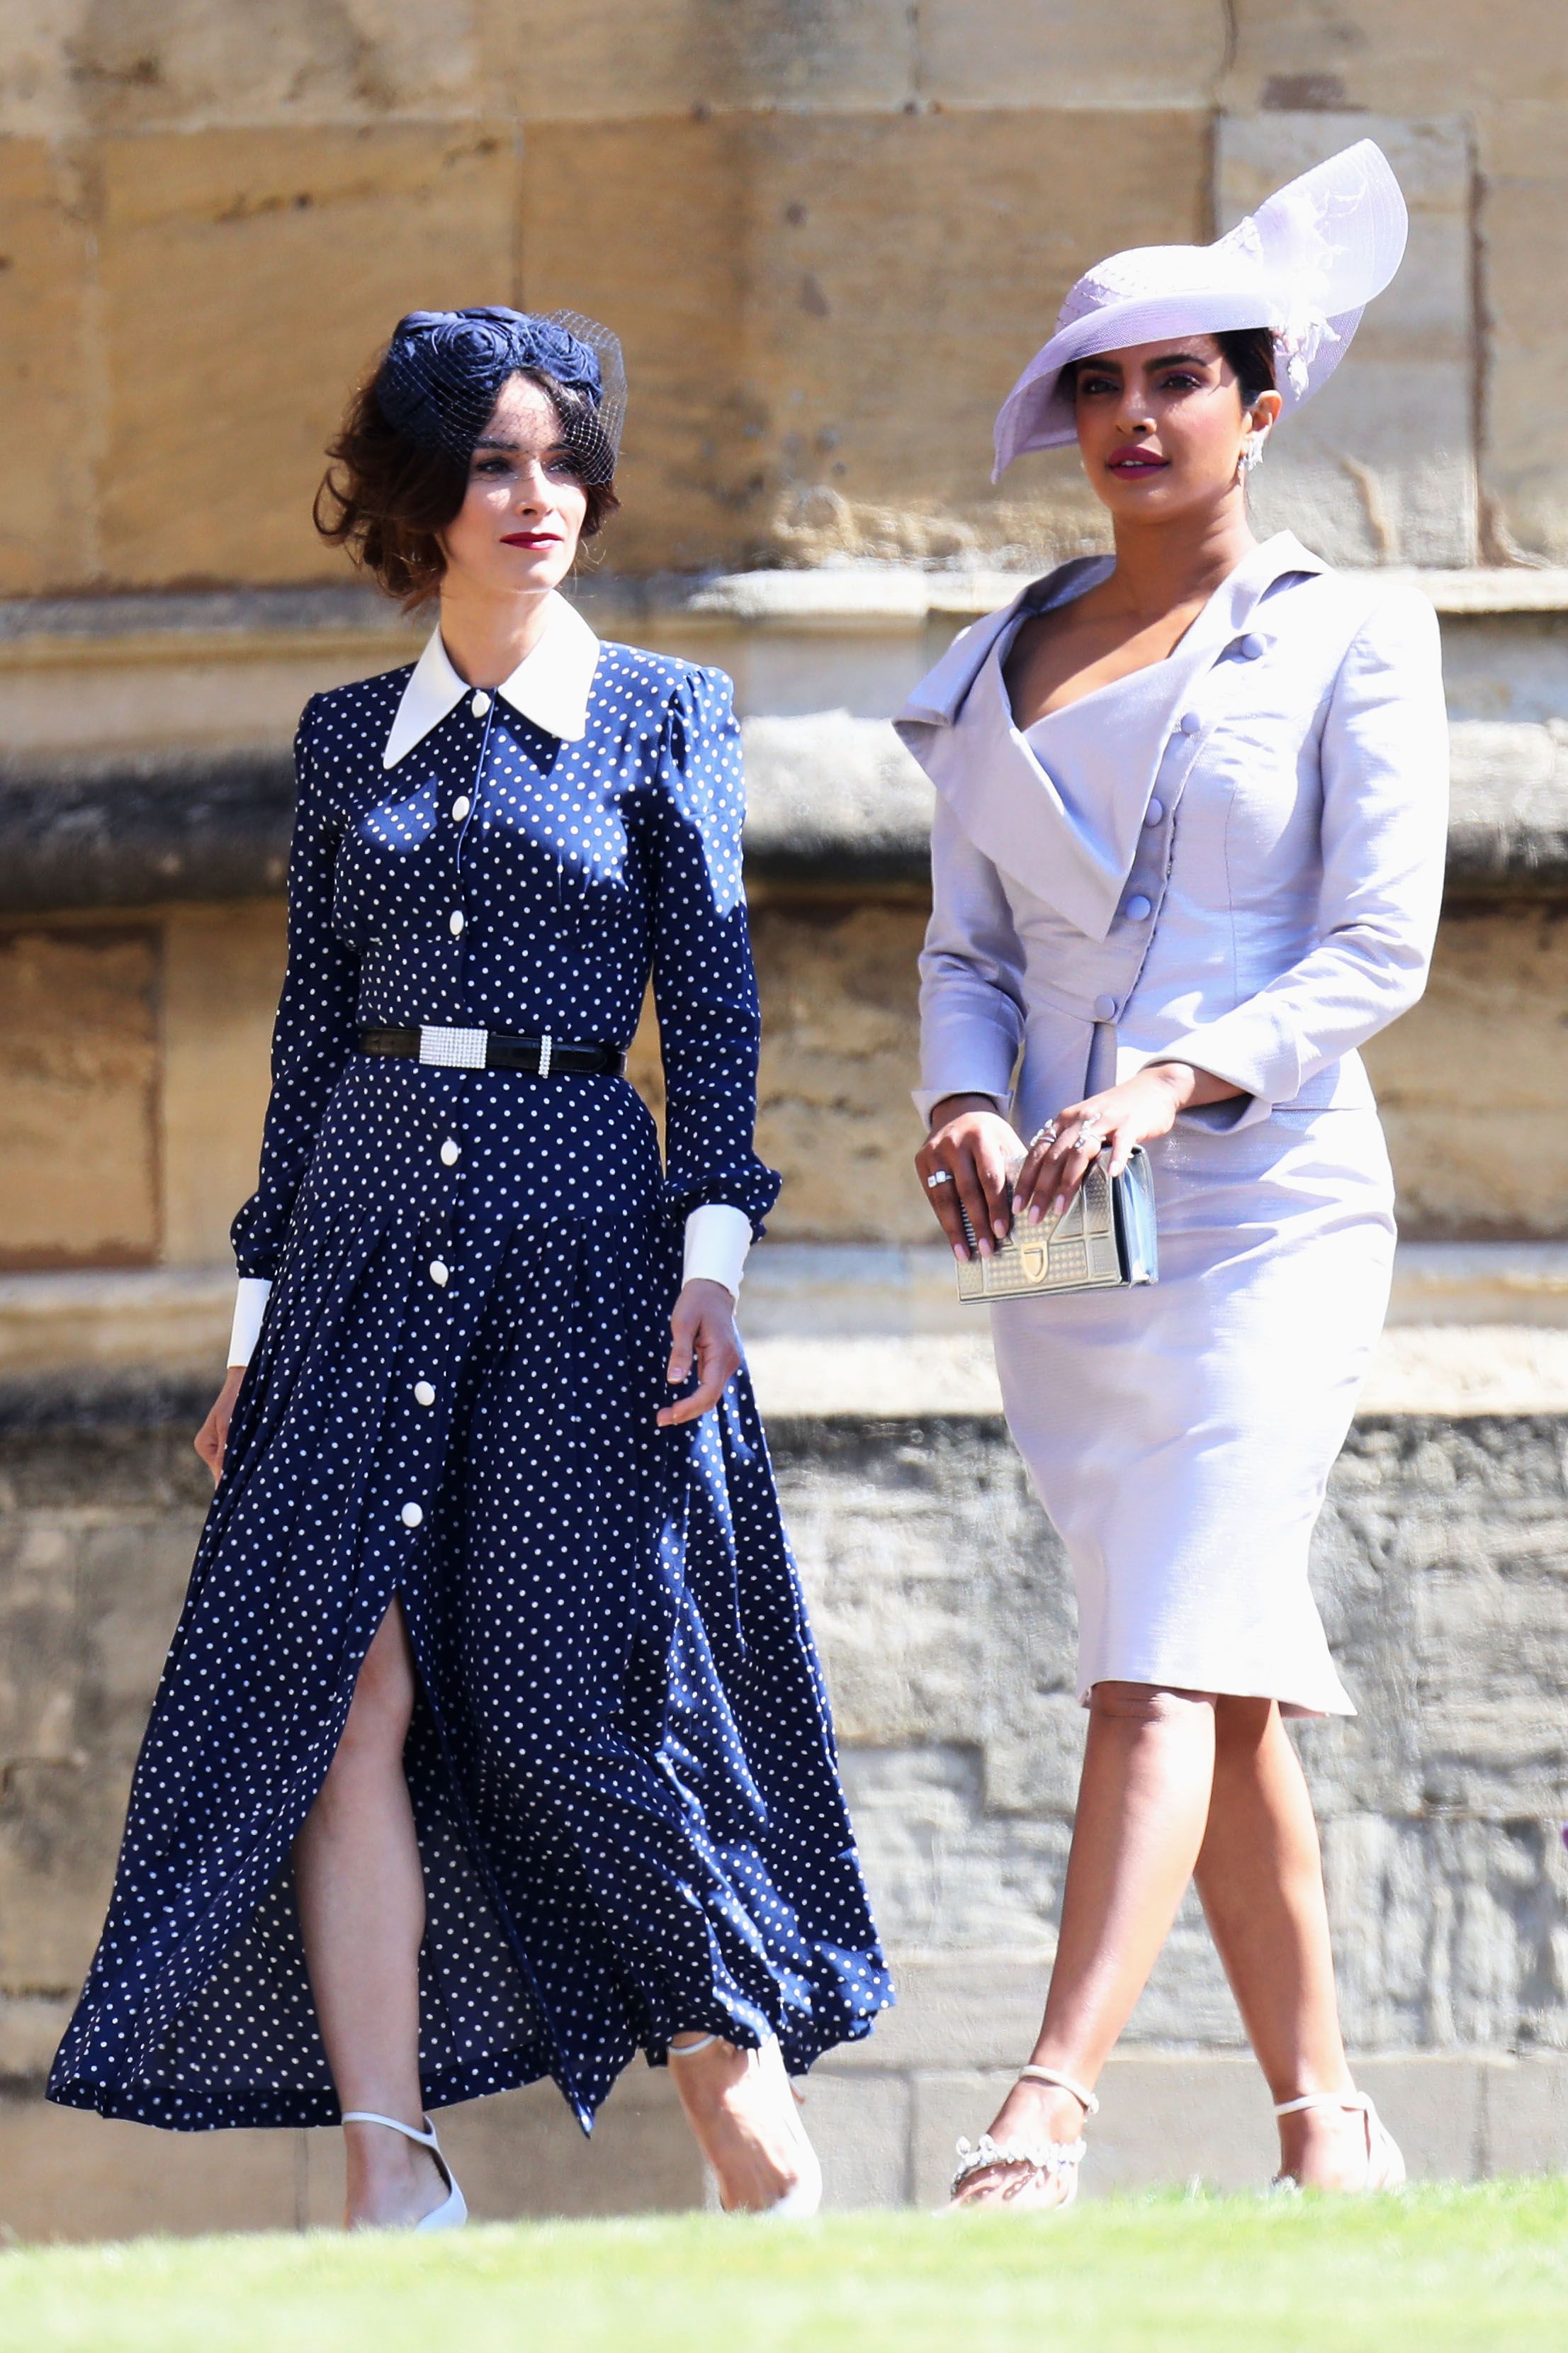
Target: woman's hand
{"type": "Point", "coordinates": [976, 1147]}
{"type": "Point", "coordinates": [1144, 1106]}
{"type": "Point", "coordinates": [211, 1440]}
{"type": "Point", "coordinates": [701, 1329]}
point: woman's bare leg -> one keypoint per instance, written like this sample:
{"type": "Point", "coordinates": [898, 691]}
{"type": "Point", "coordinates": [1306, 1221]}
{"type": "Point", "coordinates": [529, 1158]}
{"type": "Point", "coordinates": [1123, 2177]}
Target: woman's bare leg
{"type": "Point", "coordinates": [362, 1913]}
{"type": "Point", "coordinates": [1142, 1804]}
{"type": "Point", "coordinates": [1260, 1874]}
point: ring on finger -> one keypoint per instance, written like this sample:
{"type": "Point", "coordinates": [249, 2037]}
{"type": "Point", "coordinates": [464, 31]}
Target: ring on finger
{"type": "Point", "coordinates": [942, 1176]}
{"type": "Point", "coordinates": [1047, 1135]}
{"type": "Point", "coordinates": [1090, 1139]}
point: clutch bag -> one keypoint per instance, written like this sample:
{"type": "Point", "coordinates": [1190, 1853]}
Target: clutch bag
{"type": "Point", "coordinates": [1107, 1242]}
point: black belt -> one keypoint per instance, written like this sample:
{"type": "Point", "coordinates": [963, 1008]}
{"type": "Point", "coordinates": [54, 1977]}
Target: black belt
{"type": "Point", "coordinates": [487, 1049]}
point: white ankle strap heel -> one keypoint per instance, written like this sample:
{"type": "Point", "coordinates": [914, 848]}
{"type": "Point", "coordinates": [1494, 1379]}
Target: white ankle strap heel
{"type": "Point", "coordinates": [804, 2196]}
{"type": "Point", "coordinates": [1384, 2162]}
{"type": "Point", "coordinates": [453, 2212]}
{"type": "Point", "coordinates": [1056, 2162]}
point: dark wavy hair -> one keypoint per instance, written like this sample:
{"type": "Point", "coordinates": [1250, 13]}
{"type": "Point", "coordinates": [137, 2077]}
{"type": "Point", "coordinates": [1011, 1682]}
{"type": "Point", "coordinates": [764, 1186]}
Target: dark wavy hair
{"type": "Point", "coordinates": [1247, 351]}
{"type": "Point", "coordinates": [392, 497]}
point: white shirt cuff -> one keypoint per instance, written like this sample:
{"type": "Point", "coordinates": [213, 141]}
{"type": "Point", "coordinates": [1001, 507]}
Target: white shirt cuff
{"type": "Point", "coordinates": [250, 1304]}
{"type": "Point", "coordinates": [717, 1240]}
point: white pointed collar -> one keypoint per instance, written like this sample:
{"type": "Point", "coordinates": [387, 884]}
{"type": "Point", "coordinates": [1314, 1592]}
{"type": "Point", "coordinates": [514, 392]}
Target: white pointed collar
{"type": "Point", "coordinates": [550, 686]}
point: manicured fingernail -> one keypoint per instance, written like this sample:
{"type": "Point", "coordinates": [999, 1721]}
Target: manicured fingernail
{"type": "Point", "coordinates": [1060, 1205]}
{"type": "Point", "coordinates": [1017, 1205]}
{"type": "Point", "coordinates": [986, 1247]}
{"type": "Point", "coordinates": [999, 1228]}
{"type": "Point", "coordinates": [961, 1254]}
{"type": "Point", "coordinates": [1036, 1211]}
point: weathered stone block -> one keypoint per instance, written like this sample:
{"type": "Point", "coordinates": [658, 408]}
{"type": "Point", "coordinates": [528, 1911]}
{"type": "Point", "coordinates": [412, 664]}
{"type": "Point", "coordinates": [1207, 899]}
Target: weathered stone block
{"type": "Point", "coordinates": [604, 60]}
{"type": "Point", "coordinates": [133, 64]}
{"type": "Point", "coordinates": [51, 392]}
{"type": "Point", "coordinates": [839, 984]}
{"type": "Point", "coordinates": [859, 2127]}
{"type": "Point", "coordinates": [1023, 53]}
{"type": "Point", "coordinates": [68, 2175]}
{"type": "Point", "coordinates": [1393, 55]}
{"type": "Point", "coordinates": [223, 968]}
{"type": "Point", "coordinates": [249, 278]}
{"type": "Point", "coordinates": [1448, 1932]}
{"type": "Point", "coordinates": [799, 385]}
{"type": "Point", "coordinates": [77, 1103]}
{"type": "Point", "coordinates": [60, 1833]}
{"type": "Point", "coordinates": [1380, 468]}
{"type": "Point", "coordinates": [1475, 1052]}
{"type": "Point", "coordinates": [1523, 254]}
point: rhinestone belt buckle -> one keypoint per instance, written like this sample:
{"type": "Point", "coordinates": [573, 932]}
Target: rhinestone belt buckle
{"type": "Point", "coordinates": [454, 1050]}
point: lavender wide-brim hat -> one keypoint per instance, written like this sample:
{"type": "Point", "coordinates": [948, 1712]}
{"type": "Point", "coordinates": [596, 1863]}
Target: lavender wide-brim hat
{"type": "Point", "coordinates": [1305, 264]}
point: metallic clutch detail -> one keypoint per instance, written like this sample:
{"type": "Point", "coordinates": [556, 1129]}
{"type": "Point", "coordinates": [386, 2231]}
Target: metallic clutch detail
{"type": "Point", "coordinates": [1107, 1242]}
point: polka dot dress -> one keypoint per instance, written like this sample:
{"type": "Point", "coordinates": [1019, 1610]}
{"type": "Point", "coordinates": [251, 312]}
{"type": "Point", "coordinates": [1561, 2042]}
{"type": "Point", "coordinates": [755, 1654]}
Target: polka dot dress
{"type": "Point", "coordinates": [622, 1761]}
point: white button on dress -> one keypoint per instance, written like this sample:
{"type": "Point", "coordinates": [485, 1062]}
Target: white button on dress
{"type": "Point", "coordinates": [1252, 645]}
{"type": "Point", "coordinates": [437, 1272]}
{"type": "Point", "coordinates": [1154, 812]}
{"type": "Point", "coordinates": [1105, 1008]}
{"type": "Point", "coordinates": [481, 703]}
{"type": "Point", "coordinates": [450, 1154]}
{"type": "Point", "coordinates": [423, 1394]}
{"type": "Point", "coordinates": [1190, 723]}
{"type": "Point", "coordinates": [456, 921]}
{"type": "Point", "coordinates": [1138, 907]}
{"type": "Point", "coordinates": [412, 1515]}
{"type": "Point", "coordinates": [460, 808]}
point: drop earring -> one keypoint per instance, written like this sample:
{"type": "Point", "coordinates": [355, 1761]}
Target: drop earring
{"type": "Point", "coordinates": [1251, 455]}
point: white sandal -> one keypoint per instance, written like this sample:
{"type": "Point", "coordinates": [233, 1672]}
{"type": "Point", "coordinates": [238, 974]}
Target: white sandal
{"type": "Point", "coordinates": [453, 2212]}
{"type": "Point", "coordinates": [1384, 2162]}
{"type": "Point", "coordinates": [804, 2196]}
{"type": "Point", "coordinates": [1054, 2160]}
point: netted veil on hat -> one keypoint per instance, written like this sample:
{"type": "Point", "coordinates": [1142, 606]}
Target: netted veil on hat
{"type": "Point", "coordinates": [438, 382]}
{"type": "Point", "coordinates": [1305, 264]}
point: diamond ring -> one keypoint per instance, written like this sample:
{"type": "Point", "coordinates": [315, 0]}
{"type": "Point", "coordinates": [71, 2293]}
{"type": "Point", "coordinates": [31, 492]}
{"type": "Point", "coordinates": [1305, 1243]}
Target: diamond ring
{"type": "Point", "coordinates": [942, 1176]}
{"type": "Point", "coordinates": [1047, 1135]}
{"type": "Point", "coordinates": [1090, 1139]}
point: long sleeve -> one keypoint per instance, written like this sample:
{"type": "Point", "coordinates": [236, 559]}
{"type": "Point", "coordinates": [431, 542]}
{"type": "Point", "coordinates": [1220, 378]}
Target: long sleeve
{"type": "Point", "coordinates": [1384, 763]}
{"type": "Point", "coordinates": [704, 984]}
{"type": "Point", "coordinates": [314, 1032]}
{"type": "Point", "coordinates": [971, 1008]}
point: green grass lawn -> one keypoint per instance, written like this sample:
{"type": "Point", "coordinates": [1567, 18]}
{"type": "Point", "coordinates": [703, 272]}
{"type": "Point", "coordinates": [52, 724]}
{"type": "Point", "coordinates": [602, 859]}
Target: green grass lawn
{"type": "Point", "coordinates": [1436, 2270]}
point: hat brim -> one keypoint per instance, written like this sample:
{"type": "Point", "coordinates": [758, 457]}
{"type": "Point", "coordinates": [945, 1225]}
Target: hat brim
{"type": "Point", "coordinates": [1036, 415]}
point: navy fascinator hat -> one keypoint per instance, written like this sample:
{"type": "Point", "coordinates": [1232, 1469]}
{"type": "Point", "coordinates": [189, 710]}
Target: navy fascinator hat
{"type": "Point", "coordinates": [438, 382]}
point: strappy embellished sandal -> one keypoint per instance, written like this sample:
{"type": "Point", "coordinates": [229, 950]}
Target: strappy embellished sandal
{"type": "Point", "coordinates": [1049, 2168]}
{"type": "Point", "coordinates": [1384, 2161]}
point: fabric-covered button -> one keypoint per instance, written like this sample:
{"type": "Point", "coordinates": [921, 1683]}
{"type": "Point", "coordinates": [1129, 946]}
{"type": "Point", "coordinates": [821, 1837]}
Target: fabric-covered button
{"type": "Point", "coordinates": [456, 921]}
{"type": "Point", "coordinates": [460, 808]}
{"type": "Point", "coordinates": [450, 1154]}
{"type": "Point", "coordinates": [437, 1272]}
{"type": "Point", "coordinates": [410, 1516]}
{"type": "Point", "coordinates": [1252, 645]}
{"type": "Point", "coordinates": [481, 703]}
{"type": "Point", "coordinates": [1105, 1008]}
{"type": "Point", "coordinates": [1154, 812]}
{"type": "Point", "coordinates": [423, 1393]}
{"type": "Point", "coordinates": [1138, 907]}
{"type": "Point", "coordinates": [1190, 723]}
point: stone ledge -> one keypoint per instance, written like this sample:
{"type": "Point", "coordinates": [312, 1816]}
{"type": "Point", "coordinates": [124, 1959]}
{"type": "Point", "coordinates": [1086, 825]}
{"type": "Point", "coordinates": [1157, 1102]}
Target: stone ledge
{"type": "Point", "coordinates": [144, 624]}
{"type": "Point", "coordinates": [864, 1333]}
{"type": "Point", "coordinates": [832, 798]}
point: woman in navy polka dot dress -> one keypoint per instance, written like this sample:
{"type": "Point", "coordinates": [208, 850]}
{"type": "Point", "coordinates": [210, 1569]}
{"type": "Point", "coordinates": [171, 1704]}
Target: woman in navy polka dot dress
{"type": "Point", "coordinates": [492, 1743]}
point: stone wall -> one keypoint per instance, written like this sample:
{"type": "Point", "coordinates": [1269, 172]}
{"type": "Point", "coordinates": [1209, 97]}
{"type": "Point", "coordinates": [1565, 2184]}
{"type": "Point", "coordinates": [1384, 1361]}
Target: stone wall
{"type": "Point", "coordinates": [829, 236]}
